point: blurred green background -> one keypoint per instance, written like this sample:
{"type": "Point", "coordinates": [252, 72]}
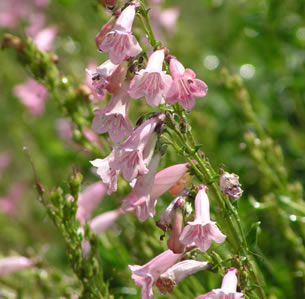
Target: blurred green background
{"type": "Point", "coordinates": [262, 41]}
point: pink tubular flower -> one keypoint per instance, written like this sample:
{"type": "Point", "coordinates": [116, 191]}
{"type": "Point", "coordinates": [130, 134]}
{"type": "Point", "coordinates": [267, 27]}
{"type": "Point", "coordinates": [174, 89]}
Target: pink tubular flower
{"type": "Point", "coordinates": [89, 199]}
{"type": "Point", "coordinates": [33, 95]}
{"type": "Point", "coordinates": [100, 77]}
{"type": "Point", "coordinates": [169, 279]}
{"type": "Point", "coordinates": [145, 276]}
{"type": "Point", "coordinates": [228, 288]}
{"type": "Point", "coordinates": [104, 30]}
{"type": "Point", "coordinates": [9, 204]}
{"type": "Point", "coordinates": [151, 82]}
{"type": "Point", "coordinates": [139, 197]}
{"type": "Point", "coordinates": [113, 119]}
{"type": "Point", "coordinates": [102, 222]}
{"type": "Point", "coordinates": [91, 136]}
{"type": "Point", "coordinates": [119, 42]}
{"type": "Point", "coordinates": [13, 264]}
{"type": "Point", "coordinates": [185, 87]}
{"type": "Point", "coordinates": [173, 243]}
{"type": "Point", "coordinates": [167, 178]}
{"type": "Point", "coordinates": [202, 230]}
{"type": "Point", "coordinates": [131, 157]}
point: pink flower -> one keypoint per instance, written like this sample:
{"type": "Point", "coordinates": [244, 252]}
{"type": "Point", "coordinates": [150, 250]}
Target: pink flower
{"type": "Point", "coordinates": [102, 222]}
{"type": "Point", "coordinates": [185, 87]}
{"type": "Point", "coordinates": [173, 243]}
{"type": "Point", "coordinates": [119, 42]}
{"type": "Point", "coordinates": [113, 119]}
{"type": "Point", "coordinates": [131, 157]}
{"type": "Point", "coordinates": [44, 38]}
{"type": "Point", "coordinates": [202, 230]}
{"type": "Point", "coordinates": [91, 69]}
{"type": "Point", "coordinates": [228, 288]}
{"type": "Point", "coordinates": [151, 82]}
{"type": "Point", "coordinates": [169, 279]}
{"type": "Point", "coordinates": [167, 178]}
{"type": "Point", "coordinates": [9, 204]}
{"type": "Point", "coordinates": [33, 95]}
{"type": "Point", "coordinates": [145, 276]}
{"type": "Point", "coordinates": [108, 175]}
{"type": "Point", "coordinates": [139, 198]}
{"type": "Point", "coordinates": [104, 30]}
{"type": "Point", "coordinates": [13, 264]}
{"type": "Point", "coordinates": [100, 77]}
{"type": "Point", "coordinates": [89, 199]}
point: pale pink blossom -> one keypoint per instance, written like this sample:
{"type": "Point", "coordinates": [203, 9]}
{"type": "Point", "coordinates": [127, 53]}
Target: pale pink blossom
{"type": "Point", "coordinates": [139, 198]}
{"type": "Point", "coordinates": [44, 38]}
{"type": "Point", "coordinates": [11, 11]}
{"type": "Point", "coordinates": [228, 288]}
{"type": "Point", "coordinates": [202, 230]}
{"type": "Point", "coordinates": [102, 222]}
{"type": "Point", "coordinates": [106, 172]}
{"type": "Point", "coordinates": [185, 87]}
{"type": "Point", "coordinates": [104, 30]}
{"type": "Point", "coordinates": [173, 243]}
{"type": "Point", "coordinates": [91, 69]}
{"type": "Point", "coordinates": [33, 95]}
{"type": "Point", "coordinates": [169, 279]}
{"type": "Point", "coordinates": [119, 42]}
{"type": "Point", "coordinates": [151, 82]}
{"type": "Point", "coordinates": [13, 264]}
{"type": "Point", "coordinates": [129, 158]}
{"type": "Point", "coordinates": [100, 77]}
{"type": "Point", "coordinates": [145, 276]}
{"type": "Point", "coordinates": [113, 118]}
{"type": "Point", "coordinates": [167, 178]}
{"type": "Point", "coordinates": [89, 199]}
{"type": "Point", "coordinates": [9, 204]}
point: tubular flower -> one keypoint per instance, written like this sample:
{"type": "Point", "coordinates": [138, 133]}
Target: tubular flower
{"type": "Point", "coordinates": [13, 264]}
{"type": "Point", "coordinates": [145, 276]}
{"type": "Point", "coordinates": [100, 78]}
{"type": "Point", "coordinates": [169, 279]}
{"type": "Point", "coordinates": [102, 222]}
{"type": "Point", "coordinates": [104, 30]}
{"type": "Point", "coordinates": [89, 199]}
{"type": "Point", "coordinates": [167, 178]}
{"type": "Point", "coordinates": [119, 42]}
{"type": "Point", "coordinates": [113, 119]}
{"type": "Point", "coordinates": [185, 87]}
{"type": "Point", "coordinates": [139, 198]}
{"type": "Point", "coordinates": [173, 243]}
{"type": "Point", "coordinates": [130, 157]}
{"type": "Point", "coordinates": [151, 82]}
{"type": "Point", "coordinates": [228, 288]}
{"type": "Point", "coordinates": [202, 230]}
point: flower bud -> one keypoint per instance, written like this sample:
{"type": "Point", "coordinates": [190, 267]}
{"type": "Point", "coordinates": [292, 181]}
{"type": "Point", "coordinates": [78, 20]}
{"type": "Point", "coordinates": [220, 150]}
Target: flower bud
{"type": "Point", "coordinates": [229, 185]}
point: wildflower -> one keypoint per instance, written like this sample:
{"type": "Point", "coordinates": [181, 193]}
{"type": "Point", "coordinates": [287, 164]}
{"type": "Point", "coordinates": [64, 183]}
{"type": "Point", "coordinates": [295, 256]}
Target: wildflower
{"type": "Point", "coordinates": [102, 222]}
{"type": "Point", "coordinates": [44, 38]}
{"type": "Point", "coordinates": [91, 136]}
{"type": "Point", "coordinates": [166, 218]}
{"type": "Point", "coordinates": [139, 198]}
{"type": "Point", "coordinates": [131, 157]}
{"type": "Point", "coordinates": [169, 279]}
{"type": "Point", "coordinates": [167, 178]}
{"type": "Point", "coordinates": [229, 185]}
{"type": "Point", "coordinates": [202, 230]}
{"type": "Point", "coordinates": [89, 199]}
{"type": "Point", "coordinates": [173, 242]}
{"type": "Point", "coordinates": [185, 87]}
{"type": "Point", "coordinates": [228, 288]}
{"type": "Point", "coordinates": [100, 77]}
{"type": "Point", "coordinates": [9, 204]}
{"type": "Point", "coordinates": [104, 30]}
{"type": "Point", "coordinates": [151, 82]}
{"type": "Point", "coordinates": [90, 70]}
{"type": "Point", "coordinates": [119, 42]}
{"type": "Point", "coordinates": [13, 264]}
{"type": "Point", "coordinates": [33, 95]}
{"type": "Point", "coordinates": [113, 119]}
{"type": "Point", "coordinates": [145, 276]}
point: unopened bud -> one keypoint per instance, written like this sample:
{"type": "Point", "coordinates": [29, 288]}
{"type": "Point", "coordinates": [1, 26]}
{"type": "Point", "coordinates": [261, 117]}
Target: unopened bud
{"type": "Point", "coordinates": [229, 185]}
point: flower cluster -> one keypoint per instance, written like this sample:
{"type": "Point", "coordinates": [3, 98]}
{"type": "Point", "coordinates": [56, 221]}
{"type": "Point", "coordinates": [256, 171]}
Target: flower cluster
{"type": "Point", "coordinates": [136, 153]}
